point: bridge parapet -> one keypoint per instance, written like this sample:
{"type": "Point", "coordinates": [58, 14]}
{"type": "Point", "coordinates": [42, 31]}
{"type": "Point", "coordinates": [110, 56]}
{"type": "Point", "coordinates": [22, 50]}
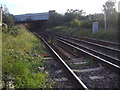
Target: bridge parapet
{"type": "Point", "coordinates": [31, 17]}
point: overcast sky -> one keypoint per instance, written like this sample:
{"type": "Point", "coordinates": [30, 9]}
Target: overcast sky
{"type": "Point", "coordinates": [37, 6]}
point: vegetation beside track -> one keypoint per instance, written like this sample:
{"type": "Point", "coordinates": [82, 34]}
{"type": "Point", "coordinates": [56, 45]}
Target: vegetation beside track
{"type": "Point", "coordinates": [75, 22]}
{"type": "Point", "coordinates": [108, 35]}
{"type": "Point", "coordinates": [21, 57]}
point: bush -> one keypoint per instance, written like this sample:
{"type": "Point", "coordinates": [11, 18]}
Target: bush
{"type": "Point", "coordinates": [58, 29]}
{"type": "Point", "coordinates": [86, 24]}
{"type": "Point", "coordinates": [75, 23]}
{"type": "Point", "coordinates": [34, 80]}
{"type": "Point", "coordinates": [15, 31]}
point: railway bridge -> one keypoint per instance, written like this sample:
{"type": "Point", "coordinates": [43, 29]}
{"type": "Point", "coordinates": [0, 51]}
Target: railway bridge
{"type": "Point", "coordinates": [34, 21]}
{"type": "Point", "coordinates": [33, 17]}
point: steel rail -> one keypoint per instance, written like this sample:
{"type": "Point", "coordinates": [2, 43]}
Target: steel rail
{"type": "Point", "coordinates": [114, 66]}
{"type": "Point", "coordinates": [92, 39]}
{"type": "Point", "coordinates": [79, 82]}
{"type": "Point", "coordinates": [98, 45]}
{"type": "Point", "coordinates": [102, 41]}
{"type": "Point", "coordinates": [102, 55]}
{"type": "Point", "coordinates": [111, 64]}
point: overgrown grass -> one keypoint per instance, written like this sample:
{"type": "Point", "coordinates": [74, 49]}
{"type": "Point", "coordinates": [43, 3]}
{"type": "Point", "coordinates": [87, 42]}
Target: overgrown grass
{"type": "Point", "coordinates": [20, 67]}
{"type": "Point", "coordinates": [108, 35]}
{"type": "Point", "coordinates": [0, 58]}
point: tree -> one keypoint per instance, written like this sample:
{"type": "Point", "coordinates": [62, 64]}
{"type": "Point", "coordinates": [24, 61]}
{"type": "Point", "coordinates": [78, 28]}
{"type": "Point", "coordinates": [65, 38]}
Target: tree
{"type": "Point", "coordinates": [95, 18]}
{"type": "Point", "coordinates": [73, 14]}
{"type": "Point", "coordinates": [111, 14]}
{"type": "Point", "coordinates": [8, 18]}
{"type": "Point", "coordinates": [55, 19]}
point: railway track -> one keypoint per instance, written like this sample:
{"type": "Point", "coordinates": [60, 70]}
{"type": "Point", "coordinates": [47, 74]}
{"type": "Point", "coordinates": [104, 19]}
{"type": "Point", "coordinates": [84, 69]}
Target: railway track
{"type": "Point", "coordinates": [76, 81]}
{"type": "Point", "coordinates": [101, 55]}
{"type": "Point", "coordinates": [100, 42]}
{"type": "Point", "coordinates": [113, 50]}
{"type": "Point", "coordinates": [107, 60]}
{"type": "Point", "coordinates": [67, 46]}
{"type": "Point", "coordinates": [100, 46]}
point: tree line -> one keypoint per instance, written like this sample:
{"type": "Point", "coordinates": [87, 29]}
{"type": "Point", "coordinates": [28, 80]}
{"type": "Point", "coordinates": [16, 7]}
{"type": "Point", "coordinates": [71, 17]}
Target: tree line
{"type": "Point", "coordinates": [74, 18]}
{"type": "Point", "coordinates": [77, 18]}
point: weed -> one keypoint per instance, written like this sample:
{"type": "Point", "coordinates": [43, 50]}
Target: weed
{"type": "Point", "coordinates": [20, 65]}
{"type": "Point", "coordinates": [88, 62]}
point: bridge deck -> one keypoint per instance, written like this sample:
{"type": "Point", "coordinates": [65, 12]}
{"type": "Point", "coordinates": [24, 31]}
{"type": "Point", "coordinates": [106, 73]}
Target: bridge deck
{"type": "Point", "coordinates": [31, 17]}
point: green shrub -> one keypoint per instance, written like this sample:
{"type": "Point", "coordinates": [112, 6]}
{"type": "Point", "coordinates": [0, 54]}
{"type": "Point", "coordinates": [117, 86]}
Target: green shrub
{"type": "Point", "coordinates": [75, 23]}
{"type": "Point", "coordinates": [59, 28]}
{"type": "Point", "coordinates": [34, 80]}
{"type": "Point", "coordinates": [86, 24]}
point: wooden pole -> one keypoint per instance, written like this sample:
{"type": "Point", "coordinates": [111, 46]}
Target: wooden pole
{"type": "Point", "coordinates": [1, 47]}
{"type": "Point", "coordinates": [1, 17]}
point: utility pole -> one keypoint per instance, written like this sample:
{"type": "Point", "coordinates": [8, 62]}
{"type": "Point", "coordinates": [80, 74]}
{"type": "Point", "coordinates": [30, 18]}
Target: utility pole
{"type": "Point", "coordinates": [105, 20]}
{"type": "Point", "coordinates": [1, 47]}
{"type": "Point", "coordinates": [119, 7]}
{"type": "Point", "coordinates": [1, 17]}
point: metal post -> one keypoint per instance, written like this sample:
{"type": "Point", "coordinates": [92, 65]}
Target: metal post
{"type": "Point", "coordinates": [119, 7]}
{"type": "Point", "coordinates": [105, 20]}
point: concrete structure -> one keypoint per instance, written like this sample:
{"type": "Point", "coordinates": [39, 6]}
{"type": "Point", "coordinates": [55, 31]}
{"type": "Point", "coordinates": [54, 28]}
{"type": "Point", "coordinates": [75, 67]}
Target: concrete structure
{"type": "Point", "coordinates": [95, 27]}
{"type": "Point", "coordinates": [31, 17]}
